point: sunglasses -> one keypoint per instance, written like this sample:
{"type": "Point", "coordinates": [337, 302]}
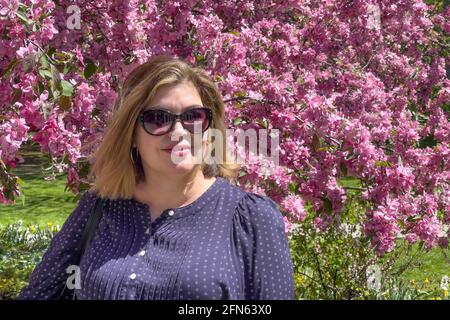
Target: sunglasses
{"type": "Point", "coordinates": [158, 122]}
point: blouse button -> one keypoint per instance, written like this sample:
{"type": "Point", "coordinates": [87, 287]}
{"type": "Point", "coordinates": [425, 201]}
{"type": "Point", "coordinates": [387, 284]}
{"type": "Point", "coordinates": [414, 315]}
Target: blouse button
{"type": "Point", "coordinates": [142, 253]}
{"type": "Point", "coordinates": [171, 213]}
{"type": "Point", "coordinates": [133, 276]}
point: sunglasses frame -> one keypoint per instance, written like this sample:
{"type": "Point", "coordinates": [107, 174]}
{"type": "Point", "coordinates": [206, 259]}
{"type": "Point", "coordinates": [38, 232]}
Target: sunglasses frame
{"type": "Point", "coordinates": [175, 117]}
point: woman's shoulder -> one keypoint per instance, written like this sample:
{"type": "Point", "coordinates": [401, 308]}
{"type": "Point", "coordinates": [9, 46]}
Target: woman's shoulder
{"type": "Point", "coordinates": [88, 195]}
{"type": "Point", "coordinates": [88, 199]}
{"type": "Point", "coordinates": [258, 210]}
{"type": "Point", "coordinates": [83, 207]}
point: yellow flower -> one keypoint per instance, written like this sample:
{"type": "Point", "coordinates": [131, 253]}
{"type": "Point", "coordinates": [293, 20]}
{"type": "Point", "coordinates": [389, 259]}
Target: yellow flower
{"type": "Point", "coordinates": [426, 281]}
{"type": "Point", "coordinates": [436, 298]}
{"type": "Point", "coordinates": [49, 225]}
{"type": "Point", "coordinates": [446, 293]}
{"type": "Point", "coordinates": [33, 229]}
{"type": "Point", "coordinates": [413, 282]}
{"type": "Point", "coordinates": [299, 279]}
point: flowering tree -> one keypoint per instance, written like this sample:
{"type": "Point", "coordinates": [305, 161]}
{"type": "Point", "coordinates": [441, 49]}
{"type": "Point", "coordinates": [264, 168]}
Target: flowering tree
{"type": "Point", "coordinates": [358, 90]}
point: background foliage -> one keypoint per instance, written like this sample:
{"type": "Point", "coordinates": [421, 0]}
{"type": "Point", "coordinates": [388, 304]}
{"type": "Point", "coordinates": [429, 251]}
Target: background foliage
{"type": "Point", "coordinates": [358, 89]}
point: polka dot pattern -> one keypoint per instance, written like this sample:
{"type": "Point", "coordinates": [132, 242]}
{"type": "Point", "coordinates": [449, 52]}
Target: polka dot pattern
{"type": "Point", "coordinates": [228, 244]}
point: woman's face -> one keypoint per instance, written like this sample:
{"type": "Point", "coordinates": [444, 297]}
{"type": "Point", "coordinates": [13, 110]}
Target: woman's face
{"type": "Point", "coordinates": [153, 150]}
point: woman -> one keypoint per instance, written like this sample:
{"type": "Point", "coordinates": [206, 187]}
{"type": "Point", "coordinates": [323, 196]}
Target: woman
{"type": "Point", "coordinates": [169, 229]}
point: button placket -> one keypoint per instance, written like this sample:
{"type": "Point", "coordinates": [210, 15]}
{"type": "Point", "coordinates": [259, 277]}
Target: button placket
{"type": "Point", "coordinates": [166, 214]}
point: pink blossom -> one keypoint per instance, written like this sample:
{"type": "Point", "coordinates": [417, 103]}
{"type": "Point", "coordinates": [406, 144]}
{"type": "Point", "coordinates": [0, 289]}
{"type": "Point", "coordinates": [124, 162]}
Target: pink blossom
{"type": "Point", "coordinates": [349, 100]}
{"type": "Point", "coordinates": [295, 207]}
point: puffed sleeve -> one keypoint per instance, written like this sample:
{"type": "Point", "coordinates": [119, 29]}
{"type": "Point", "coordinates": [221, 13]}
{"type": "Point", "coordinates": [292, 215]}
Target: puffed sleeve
{"type": "Point", "coordinates": [261, 249]}
{"type": "Point", "coordinates": [49, 276]}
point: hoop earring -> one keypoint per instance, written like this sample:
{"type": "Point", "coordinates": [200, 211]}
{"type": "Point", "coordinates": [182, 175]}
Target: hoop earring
{"type": "Point", "coordinates": [134, 150]}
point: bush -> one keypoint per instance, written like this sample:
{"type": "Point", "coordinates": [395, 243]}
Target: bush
{"type": "Point", "coordinates": [21, 248]}
{"type": "Point", "coordinates": [341, 262]}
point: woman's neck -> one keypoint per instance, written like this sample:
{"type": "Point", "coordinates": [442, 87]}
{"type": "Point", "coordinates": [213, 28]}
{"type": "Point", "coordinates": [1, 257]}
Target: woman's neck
{"type": "Point", "coordinates": [162, 192]}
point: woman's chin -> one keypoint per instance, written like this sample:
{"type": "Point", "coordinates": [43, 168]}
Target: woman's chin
{"type": "Point", "coordinates": [182, 166]}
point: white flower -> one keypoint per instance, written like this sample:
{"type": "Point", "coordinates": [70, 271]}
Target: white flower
{"type": "Point", "coordinates": [444, 282]}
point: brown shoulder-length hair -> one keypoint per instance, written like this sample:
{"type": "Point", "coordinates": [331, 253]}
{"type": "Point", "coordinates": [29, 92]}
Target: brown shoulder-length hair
{"type": "Point", "coordinates": [114, 173]}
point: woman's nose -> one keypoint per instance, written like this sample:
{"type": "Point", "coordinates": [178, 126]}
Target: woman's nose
{"type": "Point", "coordinates": [178, 131]}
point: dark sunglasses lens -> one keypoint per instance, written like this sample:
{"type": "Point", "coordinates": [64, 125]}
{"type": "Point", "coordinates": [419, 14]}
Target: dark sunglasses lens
{"type": "Point", "coordinates": [196, 118]}
{"type": "Point", "coordinates": [157, 122]}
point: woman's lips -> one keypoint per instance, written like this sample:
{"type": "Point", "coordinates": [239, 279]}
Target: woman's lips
{"type": "Point", "coordinates": [179, 150]}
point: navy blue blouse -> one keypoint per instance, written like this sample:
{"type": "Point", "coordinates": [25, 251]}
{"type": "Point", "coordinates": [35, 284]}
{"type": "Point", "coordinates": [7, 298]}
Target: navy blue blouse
{"type": "Point", "coordinates": [227, 244]}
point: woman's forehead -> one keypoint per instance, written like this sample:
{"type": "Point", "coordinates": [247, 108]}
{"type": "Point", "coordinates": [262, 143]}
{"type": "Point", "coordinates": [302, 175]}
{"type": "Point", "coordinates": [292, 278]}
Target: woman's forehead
{"type": "Point", "coordinates": [163, 107]}
{"type": "Point", "coordinates": [175, 97]}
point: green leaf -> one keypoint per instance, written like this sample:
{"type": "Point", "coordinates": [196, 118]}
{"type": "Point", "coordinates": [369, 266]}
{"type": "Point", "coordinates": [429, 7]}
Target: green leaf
{"type": "Point", "coordinates": [349, 181]}
{"type": "Point", "coordinates": [421, 244]}
{"type": "Point", "coordinates": [242, 173]}
{"type": "Point", "coordinates": [67, 68]}
{"type": "Point", "coordinates": [293, 187]}
{"type": "Point", "coordinates": [17, 94]}
{"type": "Point", "coordinates": [90, 69]}
{"type": "Point", "coordinates": [258, 66]}
{"type": "Point", "coordinates": [327, 148]}
{"type": "Point", "coordinates": [414, 218]}
{"type": "Point", "coordinates": [67, 88]}
{"type": "Point", "coordinates": [61, 57]}
{"type": "Point", "coordinates": [446, 108]}
{"type": "Point", "coordinates": [22, 16]}
{"type": "Point", "coordinates": [262, 123]}
{"type": "Point", "coordinates": [343, 168]}
{"type": "Point", "coordinates": [44, 73]}
{"type": "Point", "coordinates": [200, 58]}
{"type": "Point", "coordinates": [237, 121]}
{"type": "Point", "coordinates": [10, 67]}
{"type": "Point", "coordinates": [383, 163]}
{"type": "Point", "coordinates": [240, 94]}
{"type": "Point", "coordinates": [316, 142]}
{"type": "Point", "coordinates": [428, 141]}
{"type": "Point", "coordinates": [327, 205]}
{"type": "Point", "coordinates": [44, 61]}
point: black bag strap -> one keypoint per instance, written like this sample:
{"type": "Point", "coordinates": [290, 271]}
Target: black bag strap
{"type": "Point", "coordinates": [89, 230]}
{"type": "Point", "coordinates": [86, 238]}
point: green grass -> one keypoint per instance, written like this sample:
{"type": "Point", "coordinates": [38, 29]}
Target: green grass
{"type": "Point", "coordinates": [42, 201]}
{"type": "Point", "coordinates": [432, 265]}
